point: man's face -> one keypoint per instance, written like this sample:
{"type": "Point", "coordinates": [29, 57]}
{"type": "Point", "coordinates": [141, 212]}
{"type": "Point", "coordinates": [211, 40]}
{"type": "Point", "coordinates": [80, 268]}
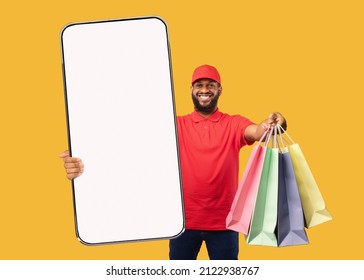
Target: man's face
{"type": "Point", "coordinates": [205, 94]}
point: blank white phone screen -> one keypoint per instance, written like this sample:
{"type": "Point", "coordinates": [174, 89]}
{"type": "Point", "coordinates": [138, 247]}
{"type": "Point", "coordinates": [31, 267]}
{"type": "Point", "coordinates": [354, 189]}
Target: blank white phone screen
{"type": "Point", "coordinates": [122, 124]}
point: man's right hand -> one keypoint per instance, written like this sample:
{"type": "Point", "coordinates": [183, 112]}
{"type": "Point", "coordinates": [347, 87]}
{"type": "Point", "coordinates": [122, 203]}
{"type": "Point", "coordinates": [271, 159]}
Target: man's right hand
{"type": "Point", "coordinates": [74, 166]}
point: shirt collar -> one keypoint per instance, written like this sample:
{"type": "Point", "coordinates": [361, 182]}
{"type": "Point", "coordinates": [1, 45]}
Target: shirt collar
{"type": "Point", "coordinates": [215, 117]}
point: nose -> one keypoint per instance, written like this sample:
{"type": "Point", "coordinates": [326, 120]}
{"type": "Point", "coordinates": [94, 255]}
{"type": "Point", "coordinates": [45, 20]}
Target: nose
{"type": "Point", "coordinates": [204, 89]}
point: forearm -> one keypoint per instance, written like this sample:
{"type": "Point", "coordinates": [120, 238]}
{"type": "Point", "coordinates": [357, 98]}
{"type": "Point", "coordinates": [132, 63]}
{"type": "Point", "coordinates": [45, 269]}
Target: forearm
{"type": "Point", "coordinates": [255, 132]}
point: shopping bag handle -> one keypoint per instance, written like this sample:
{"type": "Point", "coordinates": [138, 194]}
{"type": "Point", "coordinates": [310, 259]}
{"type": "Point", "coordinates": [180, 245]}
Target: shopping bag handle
{"type": "Point", "coordinates": [275, 137]}
{"type": "Point", "coordinates": [282, 145]}
{"type": "Point", "coordinates": [264, 135]}
{"type": "Point", "coordinates": [285, 133]}
{"type": "Point", "coordinates": [269, 136]}
{"type": "Point", "coordinates": [272, 137]}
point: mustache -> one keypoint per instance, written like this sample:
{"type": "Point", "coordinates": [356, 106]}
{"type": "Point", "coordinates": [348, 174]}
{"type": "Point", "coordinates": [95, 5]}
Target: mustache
{"type": "Point", "coordinates": [209, 92]}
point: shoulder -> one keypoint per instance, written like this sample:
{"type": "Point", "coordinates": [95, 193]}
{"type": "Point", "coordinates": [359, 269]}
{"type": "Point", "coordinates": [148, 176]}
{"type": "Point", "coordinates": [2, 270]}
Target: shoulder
{"type": "Point", "coordinates": [236, 118]}
{"type": "Point", "coordinates": [180, 117]}
{"type": "Point", "coordinates": [183, 117]}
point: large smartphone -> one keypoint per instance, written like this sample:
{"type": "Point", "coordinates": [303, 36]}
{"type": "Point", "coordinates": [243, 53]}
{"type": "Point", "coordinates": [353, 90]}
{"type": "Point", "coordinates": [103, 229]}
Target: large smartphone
{"type": "Point", "coordinates": [121, 122]}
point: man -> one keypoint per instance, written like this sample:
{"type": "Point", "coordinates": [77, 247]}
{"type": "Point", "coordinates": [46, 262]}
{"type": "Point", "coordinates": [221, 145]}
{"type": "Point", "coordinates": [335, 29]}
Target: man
{"type": "Point", "coordinates": [209, 144]}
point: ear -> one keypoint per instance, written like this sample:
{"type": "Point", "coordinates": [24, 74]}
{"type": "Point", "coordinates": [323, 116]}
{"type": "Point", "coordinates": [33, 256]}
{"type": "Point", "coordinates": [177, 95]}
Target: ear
{"type": "Point", "coordinates": [220, 90]}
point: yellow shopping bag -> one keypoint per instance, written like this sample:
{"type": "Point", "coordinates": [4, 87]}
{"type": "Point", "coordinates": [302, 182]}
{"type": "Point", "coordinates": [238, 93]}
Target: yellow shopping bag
{"type": "Point", "coordinates": [313, 204]}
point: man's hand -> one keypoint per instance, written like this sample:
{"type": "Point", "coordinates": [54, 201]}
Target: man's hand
{"type": "Point", "coordinates": [74, 166]}
{"type": "Point", "coordinates": [276, 118]}
{"type": "Point", "coordinates": [255, 131]}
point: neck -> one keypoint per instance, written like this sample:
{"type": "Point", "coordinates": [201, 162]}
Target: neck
{"type": "Point", "coordinates": [205, 114]}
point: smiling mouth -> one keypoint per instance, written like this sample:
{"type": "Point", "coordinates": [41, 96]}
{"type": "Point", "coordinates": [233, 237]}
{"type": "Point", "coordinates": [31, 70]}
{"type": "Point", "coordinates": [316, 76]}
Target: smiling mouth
{"type": "Point", "coordinates": [204, 97]}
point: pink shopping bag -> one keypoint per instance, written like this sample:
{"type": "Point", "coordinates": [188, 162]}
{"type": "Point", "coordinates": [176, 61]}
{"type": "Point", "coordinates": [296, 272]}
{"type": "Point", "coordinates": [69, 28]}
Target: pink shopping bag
{"type": "Point", "coordinates": [243, 204]}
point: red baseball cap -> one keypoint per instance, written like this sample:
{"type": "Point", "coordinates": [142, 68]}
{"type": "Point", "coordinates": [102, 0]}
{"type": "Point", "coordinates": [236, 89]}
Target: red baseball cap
{"type": "Point", "coordinates": [206, 72]}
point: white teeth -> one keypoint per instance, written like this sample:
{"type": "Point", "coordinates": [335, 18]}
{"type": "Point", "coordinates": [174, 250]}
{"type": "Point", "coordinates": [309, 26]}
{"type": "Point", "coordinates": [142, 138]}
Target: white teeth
{"type": "Point", "coordinates": [204, 96]}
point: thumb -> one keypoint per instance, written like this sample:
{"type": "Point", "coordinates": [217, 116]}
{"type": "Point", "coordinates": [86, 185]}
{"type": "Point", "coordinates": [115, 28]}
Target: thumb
{"type": "Point", "coordinates": [64, 154]}
{"type": "Point", "coordinates": [273, 116]}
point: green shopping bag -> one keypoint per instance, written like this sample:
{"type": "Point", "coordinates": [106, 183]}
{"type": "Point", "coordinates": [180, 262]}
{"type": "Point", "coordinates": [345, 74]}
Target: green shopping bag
{"type": "Point", "coordinates": [264, 220]}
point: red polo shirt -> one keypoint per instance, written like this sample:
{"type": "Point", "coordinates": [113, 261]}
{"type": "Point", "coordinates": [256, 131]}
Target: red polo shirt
{"type": "Point", "coordinates": [209, 153]}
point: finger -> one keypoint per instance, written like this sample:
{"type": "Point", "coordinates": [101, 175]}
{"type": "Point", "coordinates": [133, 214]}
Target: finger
{"type": "Point", "coordinates": [64, 154]}
{"type": "Point", "coordinates": [74, 165]}
{"type": "Point", "coordinates": [274, 116]}
{"type": "Point", "coordinates": [74, 170]}
{"type": "Point", "coordinates": [71, 159]}
{"type": "Point", "coordinates": [279, 118]}
{"type": "Point", "coordinates": [72, 176]}
{"type": "Point", "coordinates": [272, 123]}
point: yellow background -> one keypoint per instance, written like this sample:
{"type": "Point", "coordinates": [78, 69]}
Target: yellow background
{"type": "Point", "coordinates": [302, 58]}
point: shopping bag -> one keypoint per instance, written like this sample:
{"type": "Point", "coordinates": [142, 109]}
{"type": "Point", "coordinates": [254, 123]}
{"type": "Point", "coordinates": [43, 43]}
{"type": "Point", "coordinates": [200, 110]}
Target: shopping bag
{"type": "Point", "coordinates": [290, 224]}
{"type": "Point", "coordinates": [264, 220]}
{"type": "Point", "coordinates": [238, 219]}
{"type": "Point", "coordinates": [313, 204]}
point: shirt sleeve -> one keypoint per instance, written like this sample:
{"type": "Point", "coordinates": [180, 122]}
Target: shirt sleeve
{"type": "Point", "coordinates": [243, 124]}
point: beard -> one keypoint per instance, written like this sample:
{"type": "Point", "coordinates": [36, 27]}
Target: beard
{"type": "Point", "coordinates": [207, 109]}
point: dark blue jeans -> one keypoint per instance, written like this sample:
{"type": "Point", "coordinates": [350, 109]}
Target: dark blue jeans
{"type": "Point", "coordinates": [221, 245]}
